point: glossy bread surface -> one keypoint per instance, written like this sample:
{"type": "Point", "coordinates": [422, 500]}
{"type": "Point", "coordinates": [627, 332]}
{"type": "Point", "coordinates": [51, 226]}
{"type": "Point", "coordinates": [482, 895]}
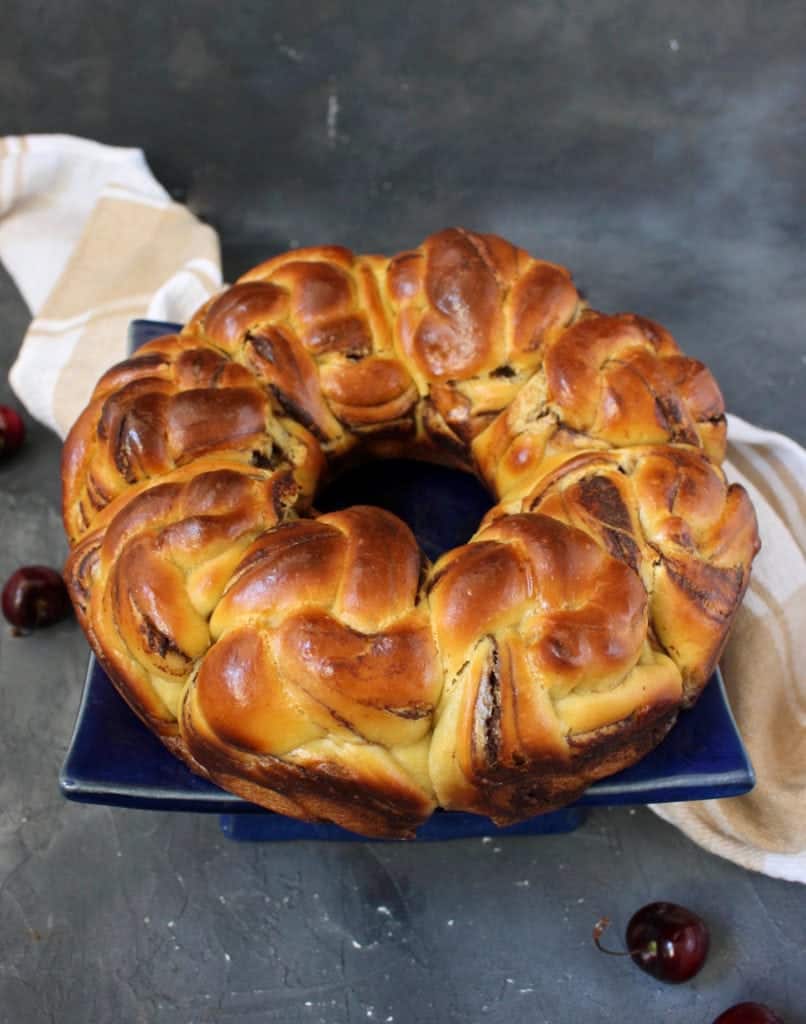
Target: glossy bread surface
{"type": "Point", "coordinates": [318, 664]}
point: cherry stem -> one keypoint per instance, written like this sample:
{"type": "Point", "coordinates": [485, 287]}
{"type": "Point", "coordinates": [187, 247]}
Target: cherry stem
{"type": "Point", "coordinates": [598, 930]}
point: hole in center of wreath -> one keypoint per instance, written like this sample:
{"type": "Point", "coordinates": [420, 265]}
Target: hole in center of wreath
{"type": "Point", "coordinates": [443, 507]}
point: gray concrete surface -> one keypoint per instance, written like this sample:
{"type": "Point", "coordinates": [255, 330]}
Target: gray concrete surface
{"type": "Point", "coordinates": [658, 149]}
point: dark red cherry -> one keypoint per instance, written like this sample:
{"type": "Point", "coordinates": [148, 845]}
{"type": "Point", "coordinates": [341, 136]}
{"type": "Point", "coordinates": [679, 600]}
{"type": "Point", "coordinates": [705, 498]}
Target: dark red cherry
{"type": "Point", "coordinates": [748, 1013]}
{"type": "Point", "coordinates": [35, 596]}
{"type": "Point", "coordinates": [12, 431]}
{"type": "Point", "coordinates": [665, 940]}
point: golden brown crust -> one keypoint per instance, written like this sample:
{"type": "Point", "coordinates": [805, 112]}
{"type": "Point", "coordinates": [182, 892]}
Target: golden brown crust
{"type": "Point", "coordinates": [669, 514]}
{"type": "Point", "coordinates": [175, 401]}
{"type": "Point", "coordinates": [606, 382]}
{"type": "Point", "coordinates": [472, 314]}
{"type": "Point", "coordinates": [146, 580]}
{"type": "Point", "coordinates": [324, 675]}
{"type": "Point", "coordinates": [543, 637]}
{"type": "Point", "coordinates": [316, 665]}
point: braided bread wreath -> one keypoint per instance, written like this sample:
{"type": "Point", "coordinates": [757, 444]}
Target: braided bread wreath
{"type": "Point", "coordinates": [317, 664]}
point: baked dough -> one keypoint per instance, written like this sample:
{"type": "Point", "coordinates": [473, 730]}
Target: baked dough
{"type": "Point", "coordinates": [318, 665]}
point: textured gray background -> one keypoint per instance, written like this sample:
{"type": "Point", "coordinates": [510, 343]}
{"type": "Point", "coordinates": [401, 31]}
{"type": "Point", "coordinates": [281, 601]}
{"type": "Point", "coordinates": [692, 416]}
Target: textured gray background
{"type": "Point", "coordinates": [658, 149]}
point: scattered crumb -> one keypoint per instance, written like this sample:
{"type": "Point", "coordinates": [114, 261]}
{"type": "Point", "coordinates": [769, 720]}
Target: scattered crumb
{"type": "Point", "coordinates": [308, 1002]}
{"type": "Point", "coordinates": [332, 118]}
{"type": "Point", "coordinates": [357, 945]}
{"type": "Point", "coordinates": [581, 899]}
{"type": "Point", "coordinates": [146, 920]}
{"type": "Point", "coordinates": [291, 53]}
{"type": "Point", "coordinates": [496, 849]}
{"type": "Point", "coordinates": [510, 981]}
{"type": "Point", "coordinates": [227, 957]}
{"type": "Point", "coordinates": [171, 924]}
{"type": "Point", "coordinates": [523, 884]}
{"type": "Point", "coordinates": [450, 922]}
{"type": "Point", "coordinates": [524, 991]}
{"type": "Point", "coordinates": [384, 910]}
{"type": "Point", "coordinates": [487, 839]}
{"type": "Point", "coordinates": [674, 46]}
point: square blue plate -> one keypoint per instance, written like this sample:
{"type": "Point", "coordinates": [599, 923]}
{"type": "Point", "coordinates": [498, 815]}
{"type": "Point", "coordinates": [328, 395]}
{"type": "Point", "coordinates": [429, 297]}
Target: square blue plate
{"type": "Point", "coordinates": [113, 759]}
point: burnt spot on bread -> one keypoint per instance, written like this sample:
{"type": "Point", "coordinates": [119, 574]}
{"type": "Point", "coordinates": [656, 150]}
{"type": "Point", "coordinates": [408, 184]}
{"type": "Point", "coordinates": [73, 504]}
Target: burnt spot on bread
{"type": "Point", "coordinates": [503, 371]}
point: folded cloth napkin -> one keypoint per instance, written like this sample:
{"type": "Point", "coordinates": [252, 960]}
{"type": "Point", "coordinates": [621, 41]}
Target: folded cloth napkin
{"type": "Point", "coordinates": [93, 241]}
{"type": "Point", "coordinates": [766, 682]}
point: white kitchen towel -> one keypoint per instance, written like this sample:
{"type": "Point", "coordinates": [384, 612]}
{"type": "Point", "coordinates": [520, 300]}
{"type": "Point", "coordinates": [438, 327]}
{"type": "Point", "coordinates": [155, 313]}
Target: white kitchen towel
{"type": "Point", "coordinates": [93, 241]}
{"type": "Point", "coordinates": [764, 672]}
